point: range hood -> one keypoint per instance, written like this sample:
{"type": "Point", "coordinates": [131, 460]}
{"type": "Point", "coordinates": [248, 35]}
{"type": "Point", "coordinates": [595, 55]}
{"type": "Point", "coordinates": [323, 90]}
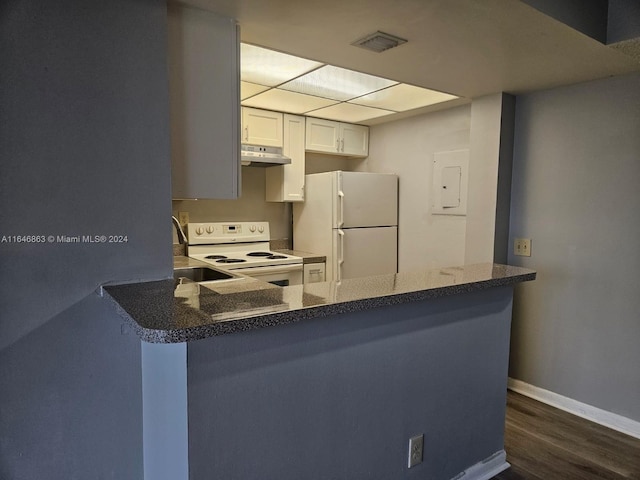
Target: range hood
{"type": "Point", "coordinates": [256, 156]}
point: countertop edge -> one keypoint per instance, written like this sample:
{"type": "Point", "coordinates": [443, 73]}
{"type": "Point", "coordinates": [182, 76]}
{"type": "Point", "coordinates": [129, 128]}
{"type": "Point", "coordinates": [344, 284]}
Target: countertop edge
{"type": "Point", "coordinates": [253, 322]}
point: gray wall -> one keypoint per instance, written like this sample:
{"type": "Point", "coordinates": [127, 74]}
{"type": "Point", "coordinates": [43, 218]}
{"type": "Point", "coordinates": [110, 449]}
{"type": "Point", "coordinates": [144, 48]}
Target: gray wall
{"type": "Point", "coordinates": [84, 149]}
{"type": "Point", "coordinates": [71, 399]}
{"type": "Point", "coordinates": [339, 398]}
{"type": "Point", "coordinates": [623, 22]}
{"type": "Point", "coordinates": [575, 194]}
{"type": "Point", "coordinates": [586, 16]}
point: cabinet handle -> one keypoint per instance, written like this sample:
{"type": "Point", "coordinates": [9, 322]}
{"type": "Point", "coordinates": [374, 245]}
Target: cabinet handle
{"type": "Point", "coordinates": [246, 133]}
{"type": "Point", "coordinates": [342, 145]}
{"type": "Point", "coordinates": [337, 144]}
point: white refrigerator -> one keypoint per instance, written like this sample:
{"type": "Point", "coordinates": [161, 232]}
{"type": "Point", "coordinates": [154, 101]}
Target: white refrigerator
{"type": "Point", "coordinates": [352, 219]}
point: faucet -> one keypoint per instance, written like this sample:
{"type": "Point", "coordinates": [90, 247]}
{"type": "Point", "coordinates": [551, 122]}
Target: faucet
{"type": "Point", "coordinates": [182, 238]}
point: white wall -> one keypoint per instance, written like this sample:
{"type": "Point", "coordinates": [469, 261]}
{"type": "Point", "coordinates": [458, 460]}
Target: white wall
{"type": "Point", "coordinates": [487, 221]}
{"type": "Point", "coordinates": [406, 147]}
{"type": "Point", "coordinates": [320, 162]}
{"type": "Point", "coordinates": [576, 194]}
{"type": "Point", "coordinates": [251, 206]}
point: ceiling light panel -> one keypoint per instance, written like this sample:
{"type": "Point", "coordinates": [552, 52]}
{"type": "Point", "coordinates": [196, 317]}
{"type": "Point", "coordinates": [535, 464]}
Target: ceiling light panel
{"type": "Point", "coordinates": [403, 97]}
{"type": "Point", "coordinates": [250, 89]}
{"type": "Point", "coordinates": [284, 101]}
{"type": "Point", "coordinates": [268, 67]}
{"type": "Point", "coordinates": [337, 83]}
{"type": "Point", "coordinates": [348, 112]}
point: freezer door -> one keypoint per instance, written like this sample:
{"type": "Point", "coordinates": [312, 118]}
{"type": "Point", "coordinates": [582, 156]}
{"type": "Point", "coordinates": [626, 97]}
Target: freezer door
{"type": "Point", "coordinates": [361, 252]}
{"type": "Point", "coordinates": [366, 200]}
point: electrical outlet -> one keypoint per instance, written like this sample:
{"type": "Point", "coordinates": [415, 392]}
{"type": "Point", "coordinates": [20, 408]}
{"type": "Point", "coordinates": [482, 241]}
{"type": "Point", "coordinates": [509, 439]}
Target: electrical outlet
{"type": "Point", "coordinates": [416, 444]}
{"type": "Point", "coordinates": [183, 218]}
{"type": "Point", "coordinates": [522, 247]}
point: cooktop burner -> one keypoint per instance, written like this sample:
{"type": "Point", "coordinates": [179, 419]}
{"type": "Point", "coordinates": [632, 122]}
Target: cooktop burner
{"type": "Point", "coordinates": [266, 255]}
{"type": "Point", "coordinates": [215, 257]}
{"type": "Point", "coordinates": [230, 260]}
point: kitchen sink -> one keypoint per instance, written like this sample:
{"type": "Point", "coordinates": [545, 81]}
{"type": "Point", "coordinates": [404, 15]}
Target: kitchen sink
{"type": "Point", "coordinates": [200, 274]}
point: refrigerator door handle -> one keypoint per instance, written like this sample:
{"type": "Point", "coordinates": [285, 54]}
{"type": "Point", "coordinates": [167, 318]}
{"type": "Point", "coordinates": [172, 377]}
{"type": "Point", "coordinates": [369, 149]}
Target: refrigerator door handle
{"type": "Point", "coordinates": [341, 201]}
{"type": "Point", "coordinates": [340, 254]}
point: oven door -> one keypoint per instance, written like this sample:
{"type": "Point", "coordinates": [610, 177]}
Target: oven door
{"type": "Point", "coordinates": [282, 275]}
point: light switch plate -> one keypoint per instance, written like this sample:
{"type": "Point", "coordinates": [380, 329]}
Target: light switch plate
{"type": "Point", "coordinates": [522, 247]}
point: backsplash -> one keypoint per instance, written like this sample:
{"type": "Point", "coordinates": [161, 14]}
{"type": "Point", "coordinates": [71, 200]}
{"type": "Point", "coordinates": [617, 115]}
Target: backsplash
{"type": "Point", "coordinates": [281, 244]}
{"type": "Point", "coordinates": [179, 250]}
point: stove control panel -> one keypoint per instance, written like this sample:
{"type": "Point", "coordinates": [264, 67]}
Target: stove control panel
{"type": "Point", "coordinates": [234, 229]}
{"type": "Point", "coordinates": [214, 233]}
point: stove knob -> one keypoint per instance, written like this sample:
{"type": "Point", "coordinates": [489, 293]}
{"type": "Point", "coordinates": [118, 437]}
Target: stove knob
{"type": "Point", "coordinates": [261, 229]}
{"type": "Point", "coordinates": [252, 228]}
{"type": "Point", "coordinates": [209, 229]}
{"type": "Point", "coordinates": [199, 231]}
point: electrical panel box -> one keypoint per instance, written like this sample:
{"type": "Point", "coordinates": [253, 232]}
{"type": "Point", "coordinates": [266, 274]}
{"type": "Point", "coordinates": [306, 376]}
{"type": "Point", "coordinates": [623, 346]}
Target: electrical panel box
{"type": "Point", "coordinates": [450, 181]}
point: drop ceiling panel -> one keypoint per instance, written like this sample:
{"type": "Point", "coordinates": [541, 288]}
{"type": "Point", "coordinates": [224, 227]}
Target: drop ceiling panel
{"type": "Point", "coordinates": [459, 46]}
{"type": "Point", "coordinates": [337, 83]}
{"type": "Point", "coordinates": [402, 97]}
{"type": "Point", "coordinates": [284, 101]}
{"type": "Point", "coordinates": [248, 89]}
{"type": "Point", "coordinates": [348, 112]}
{"type": "Point", "coordinates": [282, 67]}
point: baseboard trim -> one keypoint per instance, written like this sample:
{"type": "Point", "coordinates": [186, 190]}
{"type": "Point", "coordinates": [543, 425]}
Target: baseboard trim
{"type": "Point", "coordinates": [597, 415]}
{"type": "Point", "coordinates": [486, 469]}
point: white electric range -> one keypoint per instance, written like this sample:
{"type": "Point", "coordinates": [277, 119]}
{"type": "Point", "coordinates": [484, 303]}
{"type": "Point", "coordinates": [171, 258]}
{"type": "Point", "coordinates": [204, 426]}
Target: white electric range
{"type": "Point", "coordinates": [243, 247]}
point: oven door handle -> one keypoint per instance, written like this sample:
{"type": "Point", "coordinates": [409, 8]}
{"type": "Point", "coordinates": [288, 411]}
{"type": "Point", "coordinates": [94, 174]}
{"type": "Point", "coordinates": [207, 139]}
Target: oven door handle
{"type": "Point", "coordinates": [251, 271]}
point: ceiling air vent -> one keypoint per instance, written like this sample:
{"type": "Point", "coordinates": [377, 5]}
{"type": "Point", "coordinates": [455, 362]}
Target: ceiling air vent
{"type": "Point", "coordinates": [379, 42]}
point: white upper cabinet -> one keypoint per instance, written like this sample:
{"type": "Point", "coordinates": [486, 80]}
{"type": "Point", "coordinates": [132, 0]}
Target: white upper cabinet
{"type": "Point", "coordinates": [337, 138]}
{"type": "Point", "coordinates": [261, 127]}
{"type": "Point", "coordinates": [322, 136]}
{"type": "Point", "coordinates": [286, 183]}
{"type": "Point", "coordinates": [204, 79]}
{"type": "Point", "coordinates": [355, 140]}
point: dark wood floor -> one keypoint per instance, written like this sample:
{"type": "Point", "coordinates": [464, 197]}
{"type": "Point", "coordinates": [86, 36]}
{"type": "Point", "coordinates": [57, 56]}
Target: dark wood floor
{"type": "Point", "coordinates": [544, 443]}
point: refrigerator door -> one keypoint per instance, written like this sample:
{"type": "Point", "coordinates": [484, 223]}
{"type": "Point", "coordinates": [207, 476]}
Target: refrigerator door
{"type": "Point", "coordinates": [365, 200]}
{"type": "Point", "coordinates": [360, 252]}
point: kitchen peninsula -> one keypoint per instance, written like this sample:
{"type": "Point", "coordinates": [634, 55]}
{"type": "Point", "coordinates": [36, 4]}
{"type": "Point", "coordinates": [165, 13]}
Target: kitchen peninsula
{"type": "Point", "coordinates": [326, 380]}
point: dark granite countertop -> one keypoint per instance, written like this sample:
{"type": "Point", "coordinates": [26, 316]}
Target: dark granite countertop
{"type": "Point", "coordinates": [161, 312]}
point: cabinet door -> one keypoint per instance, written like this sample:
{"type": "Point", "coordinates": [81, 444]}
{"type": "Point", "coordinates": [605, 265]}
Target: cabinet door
{"type": "Point", "coordinates": [313, 272]}
{"type": "Point", "coordinates": [354, 140]}
{"type": "Point", "coordinates": [322, 136]}
{"type": "Point", "coordinates": [261, 127]}
{"type": "Point", "coordinates": [204, 79]}
{"type": "Point", "coordinates": [286, 183]}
